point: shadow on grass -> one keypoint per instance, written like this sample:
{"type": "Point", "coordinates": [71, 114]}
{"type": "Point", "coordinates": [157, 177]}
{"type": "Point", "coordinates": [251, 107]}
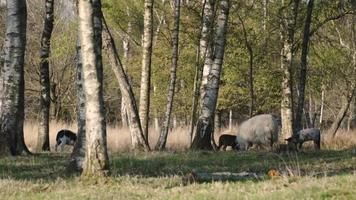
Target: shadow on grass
{"type": "Point", "coordinates": [50, 166]}
{"type": "Point", "coordinates": [167, 164]}
{"type": "Point", "coordinates": [44, 166]}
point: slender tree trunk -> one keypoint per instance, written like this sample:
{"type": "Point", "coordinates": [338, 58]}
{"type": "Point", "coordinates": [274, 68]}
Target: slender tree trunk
{"type": "Point", "coordinates": [144, 108]}
{"type": "Point", "coordinates": [250, 53]}
{"type": "Point", "coordinates": [45, 102]}
{"type": "Point", "coordinates": [77, 157]}
{"type": "Point", "coordinates": [351, 124]}
{"type": "Point", "coordinates": [206, 32]}
{"type": "Point", "coordinates": [287, 36]}
{"type": "Point", "coordinates": [340, 116]}
{"type": "Point", "coordinates": [12, 94]}
{"type": "Point", "coordinates": [205, 124]}
{"type": "Point", "coordinates": [137, 138]}
{"type": "Point", "coordinates": [342, 113]}
{"type": "Point", "coordinates": [127, 47]}
{"type": "Point", "coordinates": [161, 143]}
{"type": "Point", "coordinates": [303, 66]}
{"type": "Point", "coordinates": [230, 120]}
{"type": "Point", "coordinates": [96, 157]}
{"type": "Point", "coordinates": [322, 106]}
{"type": "Point", "coordinates": [217, 121]}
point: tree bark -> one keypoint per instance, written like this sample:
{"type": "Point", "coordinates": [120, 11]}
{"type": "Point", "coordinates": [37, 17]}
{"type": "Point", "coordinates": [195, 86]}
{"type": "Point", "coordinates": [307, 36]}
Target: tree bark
{"type": "Point", "coordinates": [161, 143]}
{"type": "Point", "coordinates": [250, 74]}
{"type": "Point", "coordinates": [144, 108]}
{"type": "Point", "coordinates": [287, 36]}
{"type": "Point", "coordinates": [351, 124]}
{"type": "Point", "coordinates": [77, 157]}
{"type": "Point", "coordinates": [45, 102]}
{"type": "Point", "coordinates": [205, 124]}
{"type": "Point", "coordinates": [322, 107]}
{"type": "Point", "coordinates": [303, 66]}
{"type": "Point", "coordinates": [126, 44]}
{"type": "Point", "coordinates": [205, 36]}
{"type": "Point", "coordinates": [96, 158]}
{"type": "Point", "coordinates": [137, 138]}
{"type": "Point", "coordinates": [13, 84]}
{"type": "Point", "coordinates": [342, 113]}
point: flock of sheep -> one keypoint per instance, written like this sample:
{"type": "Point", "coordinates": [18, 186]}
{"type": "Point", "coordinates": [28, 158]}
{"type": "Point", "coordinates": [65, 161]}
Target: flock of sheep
{"type": "Point", "coordinates": [262, 131]}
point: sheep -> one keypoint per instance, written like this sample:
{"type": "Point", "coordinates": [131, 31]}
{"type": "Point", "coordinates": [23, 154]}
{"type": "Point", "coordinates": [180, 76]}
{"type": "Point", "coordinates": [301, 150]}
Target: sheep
{"type": "Point", "coordinates": [226, 140]}
{"type": "Point", "coordinates": [310, 134]}
{"type": "Point", "coordinates": [65, 137]}
{"type": "Point", "coordinates": [261, 130]}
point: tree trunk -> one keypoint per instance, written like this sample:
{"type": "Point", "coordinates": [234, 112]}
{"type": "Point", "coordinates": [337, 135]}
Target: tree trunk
{"type": "Point", "coordinates": [205, 124]}
{"type": "Point", "coordinates": [217, 121]}
{"type": "Point", "coordinates": [96, 157]}
{"type": "Point", "coordinates": [126, 44]}
{"type": "Point", "coordinates": [287, 36]}
{"type": "Point", "coordinates": [351, 124]}
{"type": "Point", "coordinates": [161, 143]}
{"type": "Point", "coordinates": [205, 36]}
{"type": "Point", "coordinates": [13, 84]}
{"type": "Point", "coordinates": [144, 108]}
{"type": "Point", "coordinates": [250, 74]}
{"type": "Point", "coordinates": [45, 102]}
{"type": "Point", "coordinates": [340, 116]}
{"type": "Point", "coordinates": [77, 157]}
{"type": "Point", "coordinates": [230, 120]}
{"type": "Point", "coordinates": [137, 138]}
{"type": "Point", "coordinates": [322, 107]}
{"type": "Point", "coordinates": [303, 66]}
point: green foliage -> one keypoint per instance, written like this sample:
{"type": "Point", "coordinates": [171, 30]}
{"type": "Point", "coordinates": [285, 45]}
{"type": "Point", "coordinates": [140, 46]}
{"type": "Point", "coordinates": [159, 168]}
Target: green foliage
{"type": "Point", "coordinates": [329, 62]}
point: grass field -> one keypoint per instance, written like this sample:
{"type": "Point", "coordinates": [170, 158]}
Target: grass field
{"type": "Point", "coordinates": [308, 175]}
{"type": "Point", "coordinates": [326, 174]}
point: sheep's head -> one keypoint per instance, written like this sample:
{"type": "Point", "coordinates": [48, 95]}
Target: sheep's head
{"type": "Point", "coordinates": [241, 143]}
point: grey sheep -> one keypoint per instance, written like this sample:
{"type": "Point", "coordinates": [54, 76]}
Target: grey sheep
{"type": "Point", "coordinates": [310, 134]}
{"type": "Point", "coordinates": [260, 130]}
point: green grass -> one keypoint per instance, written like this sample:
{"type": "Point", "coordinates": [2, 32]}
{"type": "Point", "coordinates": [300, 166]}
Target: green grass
{"type": "Point", "coordinates": [159, 176]}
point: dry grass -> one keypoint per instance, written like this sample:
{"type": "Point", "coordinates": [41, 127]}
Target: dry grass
{"type": "Point", "coordinates": [178, 139]}
{"type": "Point", "coordinates": [118, 137]}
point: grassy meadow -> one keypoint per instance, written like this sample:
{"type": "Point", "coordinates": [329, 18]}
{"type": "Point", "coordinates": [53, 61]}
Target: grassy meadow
{"type": "Point", "coordinates": [326, 174]}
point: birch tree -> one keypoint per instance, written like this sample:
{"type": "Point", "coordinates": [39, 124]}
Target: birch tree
{"type": "Point", "coordinates": [288, 23]}
{"type": "Point", "coordinates": [303, 66]}
{"type": "Point", "coordinates": [351, 47]}
{"type": "Point", "coordinates": [96, 157]}
{"type": "Point", "coordinates": [126, 45]}
{"type": "Point", "coordinates": [205, 36]}
{"type": "Point", "coordinates": [205, 123]}
{"type": "Point", "coordinates": [162, 140]}
{"type": "Point", "coordinates": [45, 102]}
{"type": "Point", "coordinates": [137, 138]}
{"type": "Point", "coordinates": [144, 107]}
{"type": "Point", "coordinates": [77, 157]}
{"type": "Point", "coordinates": [13, 84]}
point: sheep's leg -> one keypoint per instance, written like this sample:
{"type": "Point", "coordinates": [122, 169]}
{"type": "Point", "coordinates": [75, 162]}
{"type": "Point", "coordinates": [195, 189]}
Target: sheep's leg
{"type": "Point", "coordinates": [300, 145]}
{"type": "Point", "coordinates": [224, 147]}
{"type": "Point", "coordinates": [317, 144]}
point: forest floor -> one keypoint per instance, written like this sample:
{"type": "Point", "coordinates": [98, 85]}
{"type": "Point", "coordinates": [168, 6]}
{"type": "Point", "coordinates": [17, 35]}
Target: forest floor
{"type": "Point", "coordinates": [309, 174]}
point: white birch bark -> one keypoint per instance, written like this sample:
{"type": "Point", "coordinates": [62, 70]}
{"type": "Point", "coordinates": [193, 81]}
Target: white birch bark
{"type": "Point", "coordinates": [205, 124]}
{"type": "Point", "coordinates": [146, 67]}
{"type": "Point", "coordinates": [13, 84]}
{"type": "Point", "coordinates": [96, 159]}
{"type": "Point", "coordinates": [45, 102]}
{"type": "Point", "coordinates": [287, 37]}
